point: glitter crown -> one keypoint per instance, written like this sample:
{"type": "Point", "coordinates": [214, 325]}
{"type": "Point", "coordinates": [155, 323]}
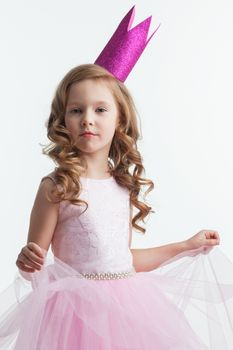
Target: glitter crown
{"type": "Point", "coordinates": [125, 46]}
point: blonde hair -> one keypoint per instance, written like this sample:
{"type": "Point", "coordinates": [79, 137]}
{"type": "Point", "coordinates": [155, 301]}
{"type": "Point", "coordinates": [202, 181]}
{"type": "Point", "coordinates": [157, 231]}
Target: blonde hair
{"type": "Point", "coordinates": [123, 152]}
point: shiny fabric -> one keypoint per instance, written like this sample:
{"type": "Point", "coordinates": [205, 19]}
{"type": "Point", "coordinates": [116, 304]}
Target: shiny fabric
{"type": "Point", "coordinates": [125, 46]}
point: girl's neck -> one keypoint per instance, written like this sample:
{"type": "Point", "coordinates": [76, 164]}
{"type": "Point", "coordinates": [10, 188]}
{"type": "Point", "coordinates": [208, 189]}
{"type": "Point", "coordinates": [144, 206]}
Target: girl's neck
{"type": "Point", "coordinates": [95, 165]}
{"type": "Point", "coordinates": [96, 175]}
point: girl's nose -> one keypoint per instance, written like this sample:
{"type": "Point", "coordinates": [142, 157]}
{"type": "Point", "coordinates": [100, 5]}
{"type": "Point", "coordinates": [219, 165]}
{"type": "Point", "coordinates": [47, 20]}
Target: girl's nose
{"type": "Point", "coordinates": [87, 118]}
{"type": "Point", "coordinates": [86, 122]}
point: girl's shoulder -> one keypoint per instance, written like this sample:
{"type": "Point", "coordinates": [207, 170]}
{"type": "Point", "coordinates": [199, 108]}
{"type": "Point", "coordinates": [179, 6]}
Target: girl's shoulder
{"type": "Point", "coordinates": [50, 176]}
{"type": "Point", "coordinates": [49, 181]}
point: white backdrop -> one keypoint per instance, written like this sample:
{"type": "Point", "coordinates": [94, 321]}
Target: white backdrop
{"type": "Point", "coordinates": [182, 86]}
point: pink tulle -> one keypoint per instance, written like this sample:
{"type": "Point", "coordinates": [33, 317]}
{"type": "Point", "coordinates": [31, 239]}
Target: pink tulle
{"type": "Point", "coordinates": [185, 304]}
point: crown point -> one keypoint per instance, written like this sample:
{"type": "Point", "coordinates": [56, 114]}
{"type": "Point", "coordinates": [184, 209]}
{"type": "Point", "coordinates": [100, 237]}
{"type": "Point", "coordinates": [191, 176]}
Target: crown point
{"type": "Point", "coordinates": [152, 34]}
{"type": "Point", "coordinates": [132, 15]}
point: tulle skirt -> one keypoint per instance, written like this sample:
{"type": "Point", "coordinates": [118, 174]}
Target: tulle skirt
{"type": "Point", "coordinates": [185, 304]}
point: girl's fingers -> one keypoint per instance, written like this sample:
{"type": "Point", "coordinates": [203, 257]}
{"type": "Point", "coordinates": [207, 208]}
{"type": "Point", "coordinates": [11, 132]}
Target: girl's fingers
{"type": "Point", "coordinates": [35, 248]}
{"type": "Point", "coordinates": [30, 258]}
{"type": "Point", "coordinates": [25, 260]}
{"type": "Point", "coordinates": [213, 236]}
{"type": "Point", "coordinates": [31, 255]}
{"type": "Point", "coordinates": [23, 267]}
{"type": "Point", "coordinates": [212, 241]}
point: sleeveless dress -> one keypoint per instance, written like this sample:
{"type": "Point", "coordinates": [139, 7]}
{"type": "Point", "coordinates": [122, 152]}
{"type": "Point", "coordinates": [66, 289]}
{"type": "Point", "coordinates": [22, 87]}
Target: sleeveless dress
{"type": "Point", "coordinates": [88, 295]}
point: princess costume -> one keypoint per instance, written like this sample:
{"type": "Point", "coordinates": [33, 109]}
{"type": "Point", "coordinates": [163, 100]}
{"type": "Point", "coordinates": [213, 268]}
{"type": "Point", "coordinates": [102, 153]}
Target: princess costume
{"type": "Point", "coordinates": [88, 295]}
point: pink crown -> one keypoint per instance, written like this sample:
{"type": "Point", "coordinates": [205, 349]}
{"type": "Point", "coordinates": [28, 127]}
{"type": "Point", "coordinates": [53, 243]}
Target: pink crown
{"type": "Point", "coordinates": [125, 46]}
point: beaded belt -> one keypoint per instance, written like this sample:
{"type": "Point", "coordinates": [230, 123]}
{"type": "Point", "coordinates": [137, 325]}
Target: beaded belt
{"type": "Point", "coordinates": [109, 275]}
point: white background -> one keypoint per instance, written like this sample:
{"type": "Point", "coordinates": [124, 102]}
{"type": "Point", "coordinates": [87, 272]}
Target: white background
{"type": "Point", "coordinates": [182, 87]}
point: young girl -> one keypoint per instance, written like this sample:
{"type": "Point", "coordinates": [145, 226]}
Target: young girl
{"type": "Point", "coordinates": [96, 293]}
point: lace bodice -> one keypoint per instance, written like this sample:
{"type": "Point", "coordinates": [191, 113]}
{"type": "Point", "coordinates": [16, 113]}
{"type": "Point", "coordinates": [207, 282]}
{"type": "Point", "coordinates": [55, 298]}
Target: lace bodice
{"type": "Point", "coordinates": [96, 240]}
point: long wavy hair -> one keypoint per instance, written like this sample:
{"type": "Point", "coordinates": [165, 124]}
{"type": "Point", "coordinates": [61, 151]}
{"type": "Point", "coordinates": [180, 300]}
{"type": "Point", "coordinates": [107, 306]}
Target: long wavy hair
{"type": "Point", "coordinates": [123, 152]}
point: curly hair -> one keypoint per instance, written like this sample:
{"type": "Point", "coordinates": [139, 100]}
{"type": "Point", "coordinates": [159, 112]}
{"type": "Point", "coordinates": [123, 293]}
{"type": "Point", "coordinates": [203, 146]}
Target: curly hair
{"type": "Point", "coordinates": [123, 152]}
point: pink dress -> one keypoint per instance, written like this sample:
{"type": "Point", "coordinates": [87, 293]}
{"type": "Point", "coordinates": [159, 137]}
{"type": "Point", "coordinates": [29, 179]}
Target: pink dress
{"type": "Point", "coordinates": [88, 295]}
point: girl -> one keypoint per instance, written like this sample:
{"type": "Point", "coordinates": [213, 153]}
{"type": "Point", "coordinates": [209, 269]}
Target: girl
{"type": "Point", "coordinates": [96, 293]}
{"type": "Point", "coordinates": [99, 293]}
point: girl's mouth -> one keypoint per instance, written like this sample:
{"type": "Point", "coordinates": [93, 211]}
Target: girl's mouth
{"type": "Point", "coordinates": [88, 135]}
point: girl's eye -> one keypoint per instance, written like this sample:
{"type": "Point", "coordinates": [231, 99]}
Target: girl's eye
{"type": "Point", "coordinates": [78, 110]}
{"type": "Point", "coordinates": [102, 109]}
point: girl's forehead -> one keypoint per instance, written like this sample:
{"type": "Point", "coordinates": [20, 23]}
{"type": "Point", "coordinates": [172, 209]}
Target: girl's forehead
{"type": "Point", "coordinates": [89, 84]}
{"type": "Point", "coordinates": [88, 90]}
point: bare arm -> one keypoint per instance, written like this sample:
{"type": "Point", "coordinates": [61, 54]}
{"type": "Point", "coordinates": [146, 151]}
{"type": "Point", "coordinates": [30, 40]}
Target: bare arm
{"type": "Point", "coordinates": [43, 220]}
{"type": "Point", "coordinates": [150, 258]}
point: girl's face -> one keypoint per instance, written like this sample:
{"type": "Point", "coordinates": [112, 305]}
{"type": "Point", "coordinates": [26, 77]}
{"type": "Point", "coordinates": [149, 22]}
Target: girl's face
{"type": "Point", "coordinates": [91, 107]}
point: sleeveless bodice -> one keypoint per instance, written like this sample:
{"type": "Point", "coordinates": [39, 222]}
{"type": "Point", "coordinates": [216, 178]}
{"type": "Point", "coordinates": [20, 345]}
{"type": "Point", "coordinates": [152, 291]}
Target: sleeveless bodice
{"type": "Point", "coordinates": [95, 240]}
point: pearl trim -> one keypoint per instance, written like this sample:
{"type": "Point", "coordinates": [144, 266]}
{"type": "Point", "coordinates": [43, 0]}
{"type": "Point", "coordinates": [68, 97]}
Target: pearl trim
{"type": "Point", "coordinates": [109, 275]}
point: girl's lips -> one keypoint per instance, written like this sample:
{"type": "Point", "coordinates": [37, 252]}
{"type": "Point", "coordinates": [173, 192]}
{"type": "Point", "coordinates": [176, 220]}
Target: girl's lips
{"type": "Point", "coordinates": [87, 135]}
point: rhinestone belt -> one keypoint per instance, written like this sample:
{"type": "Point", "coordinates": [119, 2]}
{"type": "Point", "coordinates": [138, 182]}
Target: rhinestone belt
{"type": "Point", "coordinates": [109, 275]}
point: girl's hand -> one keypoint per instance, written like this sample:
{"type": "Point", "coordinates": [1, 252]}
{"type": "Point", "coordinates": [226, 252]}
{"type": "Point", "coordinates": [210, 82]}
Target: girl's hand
{"type": "Point", "coordinates": [204, 238]}
{"type": "Point", "coordinates": [30, 258]}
